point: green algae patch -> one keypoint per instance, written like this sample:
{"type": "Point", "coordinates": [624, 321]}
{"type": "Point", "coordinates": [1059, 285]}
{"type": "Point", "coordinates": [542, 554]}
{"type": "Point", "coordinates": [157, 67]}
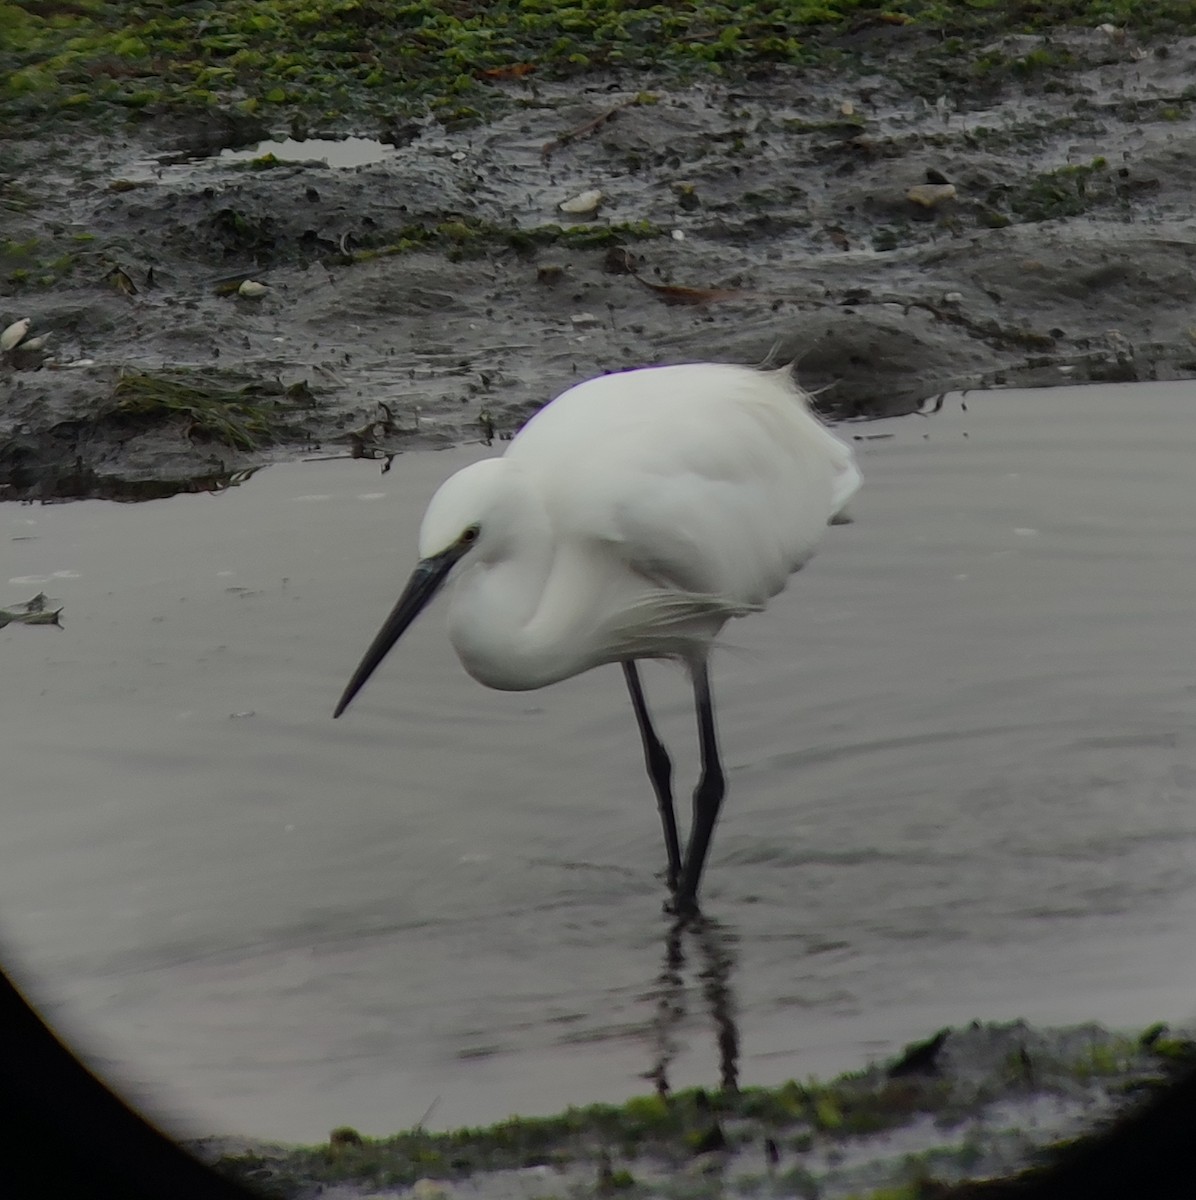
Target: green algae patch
{"type": "Point", "coordinates": [352, 58]}
{"type": "Point", "coordinates": [464, 238]}
{"type": "Point", "coordinates": [245, 416]}
{"type": "Point", "coordinates": [1066, 192]}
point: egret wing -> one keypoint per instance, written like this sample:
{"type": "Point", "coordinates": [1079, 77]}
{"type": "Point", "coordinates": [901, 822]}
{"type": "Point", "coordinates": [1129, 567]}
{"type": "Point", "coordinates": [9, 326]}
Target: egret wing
{"type": "Point", "coordinates": [706, 478]}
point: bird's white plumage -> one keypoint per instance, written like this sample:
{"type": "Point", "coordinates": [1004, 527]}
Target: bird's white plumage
{"type": "Point", "coordinates": [632, 517]}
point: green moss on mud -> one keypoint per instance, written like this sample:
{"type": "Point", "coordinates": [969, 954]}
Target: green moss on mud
{"type": "Point", "coordinates": [1065, 192]}
{"type": "Point", "coordinates": [643, 1147]}
{"type": "Point", "coordinates": [359, 57]}
{"type": "Point", "coordinates": [465, 237]}
{"type": "Point", "coordinates": [679, 1125]}
{"type": "Point", "coordinates": [241, 415]}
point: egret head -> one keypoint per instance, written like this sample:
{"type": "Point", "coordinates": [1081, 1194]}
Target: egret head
{"type": "Point", "coordinates": [453, 526]}
{"type": "Point", "coordinates": [470, 499]}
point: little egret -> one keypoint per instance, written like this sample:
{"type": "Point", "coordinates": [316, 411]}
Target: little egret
{"type": "Point", "coordinates": [630, 519]}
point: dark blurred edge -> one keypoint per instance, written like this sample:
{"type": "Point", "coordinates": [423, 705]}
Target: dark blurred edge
{"type": "Point", "coordinates": [1148, 1153]}
{"type": "Point", "coordinates": [64, 1134]}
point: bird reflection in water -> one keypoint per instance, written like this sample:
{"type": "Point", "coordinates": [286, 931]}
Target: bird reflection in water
{"type": "Point", "coordinates": [711, 952]}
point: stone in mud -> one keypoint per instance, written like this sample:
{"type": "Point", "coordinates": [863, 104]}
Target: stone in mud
{"type": "Point", "coordinates": [14, 334]}
{"type": "Point", "coordinates": [583, 204]}
{"type": "Point", "coordinates": [931, 195]}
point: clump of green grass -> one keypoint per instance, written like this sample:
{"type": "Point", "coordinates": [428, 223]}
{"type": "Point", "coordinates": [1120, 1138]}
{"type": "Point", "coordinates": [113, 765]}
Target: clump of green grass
{"type": "Point", "coordinates": [244, 417]}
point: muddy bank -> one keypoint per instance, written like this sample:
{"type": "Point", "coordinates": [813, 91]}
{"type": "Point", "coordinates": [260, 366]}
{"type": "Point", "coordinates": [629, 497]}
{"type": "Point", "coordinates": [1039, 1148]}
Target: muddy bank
{"type": "Point", "coordinates": [440, 293]}
{"type": "Point", "coordinates": [967, 1104]}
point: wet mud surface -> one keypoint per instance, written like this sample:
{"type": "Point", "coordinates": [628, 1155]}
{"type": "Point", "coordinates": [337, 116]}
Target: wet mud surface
{"type": "Point", "coordinates": [439, 293]}
{"type": "Point", "coordinates": [966, 1104]}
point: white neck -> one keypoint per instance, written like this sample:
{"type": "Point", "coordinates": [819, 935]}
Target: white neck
{"type": "Point", "coordinates": [501, 589]}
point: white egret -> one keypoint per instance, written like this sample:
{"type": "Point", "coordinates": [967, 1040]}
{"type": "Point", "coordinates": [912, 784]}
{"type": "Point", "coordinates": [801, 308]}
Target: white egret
{"type": "Point", "coordinates": [630, 519]}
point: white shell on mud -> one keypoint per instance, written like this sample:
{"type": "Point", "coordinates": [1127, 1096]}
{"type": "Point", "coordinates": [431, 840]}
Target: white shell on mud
{"type": "Point", "coordinates": [251, 289]}
{"type": "Point", "coordinates": [12, 337]}
{"type": "Point", "coordinates": [931, 195]}
{"type": "Point", "coordinates": [583, 203]}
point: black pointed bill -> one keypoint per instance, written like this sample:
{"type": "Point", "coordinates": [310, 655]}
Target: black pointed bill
{"type": "Point", "coordinates": [424, 583]}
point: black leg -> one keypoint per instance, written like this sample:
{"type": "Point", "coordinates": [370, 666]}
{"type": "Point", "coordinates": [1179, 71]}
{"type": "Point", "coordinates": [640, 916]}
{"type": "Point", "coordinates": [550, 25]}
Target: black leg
{"type": "Point", "coordinates": [660, 770]}
{"type": "Point", "coordinates": [708, 795]}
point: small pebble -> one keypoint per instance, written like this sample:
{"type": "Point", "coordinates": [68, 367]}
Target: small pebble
{"type": "Point", "coordinates": [14, 334]}
{"type": "Point", "coordinates": [583, 203]}
{"type": "Point", "coordinates": [931, 195]}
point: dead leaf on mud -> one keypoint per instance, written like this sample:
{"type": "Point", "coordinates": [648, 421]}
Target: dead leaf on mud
{"type": "Point", "coordinates": [838, 236]}
{"type": "Point", "coordinates": [120, 281]}
{"type": "Point", "coordinates": [672, 293]}
{"type": "Point", "coordinates": [513, 71]}
{"type": "Point", "coordinates": [584, 129]}
{"type": "Point", "coordinates": [368, 441]}
{"type": "Point", "coordinates": [620, 261]}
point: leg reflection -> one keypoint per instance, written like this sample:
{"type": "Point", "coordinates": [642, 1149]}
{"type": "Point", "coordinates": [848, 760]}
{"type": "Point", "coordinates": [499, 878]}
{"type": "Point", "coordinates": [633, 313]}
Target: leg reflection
{"type": "Point", "coordinates": [711, 949]}
{"type": "Point", "coordinates": [669, 995]}
{"type": "Point", "coordinates": [715, 944]}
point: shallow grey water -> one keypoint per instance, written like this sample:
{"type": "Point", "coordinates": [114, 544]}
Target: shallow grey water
{"type": "Point", "coordinates": [962, 784]}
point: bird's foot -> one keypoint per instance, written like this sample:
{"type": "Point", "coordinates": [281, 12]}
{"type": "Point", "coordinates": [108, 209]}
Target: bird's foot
{"type": "Point", "coordinates": [683, 907]}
